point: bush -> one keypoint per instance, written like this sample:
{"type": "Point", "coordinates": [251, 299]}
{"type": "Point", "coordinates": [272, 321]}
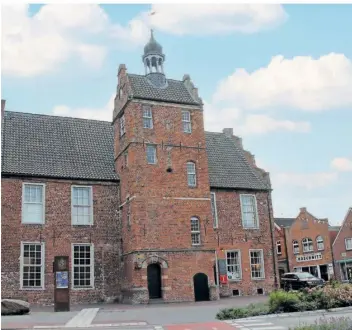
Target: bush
{"type": "Point", "coordinates": [282, 302]}
{"type": "Point", "coordinates": [328, 324]}
{"type": "Point", "coordinates": [238, 313]}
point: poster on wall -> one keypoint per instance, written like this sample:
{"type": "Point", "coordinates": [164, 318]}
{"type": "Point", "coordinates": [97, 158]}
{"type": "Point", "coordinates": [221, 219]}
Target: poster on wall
{"type": "Point", "coordinates": [62, 280]}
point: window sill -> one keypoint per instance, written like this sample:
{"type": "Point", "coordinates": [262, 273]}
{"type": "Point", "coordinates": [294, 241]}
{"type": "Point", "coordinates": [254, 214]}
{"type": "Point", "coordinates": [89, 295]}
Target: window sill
{"type": "Point", "coordinates": [308, 251]}
{"type": "Point", "coordinates": [83, 289]}
{"type": "Point", "coordinates": [235, 280]}
{"type": "Point", "coordinates": [258, 279]}
{"type": "Point", "coordinates": [32, 289]}
{"type": "Point", "coordinates": [254, 228]}
{"type": "Point", "coordinates": [33, 223]}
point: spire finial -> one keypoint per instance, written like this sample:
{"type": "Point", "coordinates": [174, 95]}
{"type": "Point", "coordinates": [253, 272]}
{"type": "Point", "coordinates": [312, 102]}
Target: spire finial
{"type": "Point", "coordinates": [151, 34]}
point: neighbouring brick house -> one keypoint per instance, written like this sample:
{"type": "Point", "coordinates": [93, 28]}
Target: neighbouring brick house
{"type": "Point", "coordinates": [147, 207]}
{"type": "Point", "coordinates": [342, 249]}
{"type": "Point", "coordinates": [307, 245]}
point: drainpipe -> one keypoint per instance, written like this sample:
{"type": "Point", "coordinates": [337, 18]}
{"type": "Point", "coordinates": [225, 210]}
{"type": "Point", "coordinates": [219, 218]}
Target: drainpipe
{"type": "Point", "coordinates": [272, 238]}
{"type": "Point", "coordinates": [217, 270]}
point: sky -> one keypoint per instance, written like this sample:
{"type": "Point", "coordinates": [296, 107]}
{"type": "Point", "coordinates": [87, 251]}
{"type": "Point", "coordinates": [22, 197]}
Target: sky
{"type": "Point", "coordinates": [280, 75]}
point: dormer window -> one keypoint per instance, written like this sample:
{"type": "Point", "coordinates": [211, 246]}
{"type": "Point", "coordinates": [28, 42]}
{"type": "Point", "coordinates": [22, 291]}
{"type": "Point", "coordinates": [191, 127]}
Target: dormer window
{"type": "Point", "coordinates": [186, 122]}
{"type": "Point", "coordinates": [120, 93]}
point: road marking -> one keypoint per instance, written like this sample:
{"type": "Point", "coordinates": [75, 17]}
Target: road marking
{"type": "Point", "coordinates": [83, 319]}
{"type": "Point", "coordinates": [257, 324]}
{"type": "Point", "coordinates": [270, 328]}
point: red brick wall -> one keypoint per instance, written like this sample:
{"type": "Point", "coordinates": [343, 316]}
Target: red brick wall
{"type": "Point", "coordinates": [339, 247]}
{"type": "Point", "coordinates": [58, 234]}
{"type": "Point", "coordinates": [306, 225]}
{"type": "Point", "coordinates": [233, 236]}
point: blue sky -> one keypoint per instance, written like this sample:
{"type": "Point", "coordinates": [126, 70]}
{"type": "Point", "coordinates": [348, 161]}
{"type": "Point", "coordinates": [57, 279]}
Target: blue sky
{"type": "Point", "coordinates": [281, 76]}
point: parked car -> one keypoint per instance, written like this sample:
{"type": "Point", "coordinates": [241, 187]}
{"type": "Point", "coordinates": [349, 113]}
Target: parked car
{"type": "Point", "coordinates": [300, 280]}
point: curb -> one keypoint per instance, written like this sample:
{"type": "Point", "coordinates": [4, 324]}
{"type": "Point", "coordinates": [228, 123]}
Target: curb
{"type": "Point", "coordinates": [320, 311]}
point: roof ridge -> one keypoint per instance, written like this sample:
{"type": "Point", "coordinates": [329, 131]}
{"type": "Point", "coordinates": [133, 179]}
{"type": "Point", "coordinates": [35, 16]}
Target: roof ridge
{"type": "Point", "coordinates": [141, 75]}
{"type": "Point", "coordinates": [55, 116]}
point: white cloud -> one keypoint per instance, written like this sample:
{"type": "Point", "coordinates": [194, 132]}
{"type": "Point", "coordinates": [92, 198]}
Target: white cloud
{"type": "Point", "coordinates": [218, 118]}
{"type": "Point", "coordinates": [203, 19]}
{"type": "Point", "coordinates": [304, 180]}
{"type": "Point", "coordinates": [35, 44]}
{"type": "Point", "coordinates": [302, 82]}
{"type": "Point", "coordinates": [103, 113]}
{"type": "Point", "coordinates": [342, 164]}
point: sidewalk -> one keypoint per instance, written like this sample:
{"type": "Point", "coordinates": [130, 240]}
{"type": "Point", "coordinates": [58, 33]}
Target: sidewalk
{"type": "Point", "coordinates": [154, 314]}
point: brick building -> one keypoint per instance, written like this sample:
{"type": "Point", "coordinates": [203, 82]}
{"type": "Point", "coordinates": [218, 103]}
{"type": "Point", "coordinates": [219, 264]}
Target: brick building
{"type": "Point", "coordinates": [149, 206]}
{"type": "Point", "coordinates": [306, 241]}
{"type": "Point", "coordinates": [342, 249]}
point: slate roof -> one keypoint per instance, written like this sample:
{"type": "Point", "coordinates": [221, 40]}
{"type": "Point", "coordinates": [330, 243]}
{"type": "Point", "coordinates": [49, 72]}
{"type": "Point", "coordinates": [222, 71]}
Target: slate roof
{"type": "Point", "coordinates": [42, 145]}
{"type": "Point", "coordinates": [73, 148]}
{"type": "Point", "coordinates": [284, 222]}
{"type": "Point", "coordinates": [228, 167]}
{"type": "Point", "coordinates": [175, 92]}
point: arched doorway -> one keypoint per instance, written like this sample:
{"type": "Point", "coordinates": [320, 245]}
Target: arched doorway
{"type": "Point", "coordinates": [201, 288]}
{"type": "Point", "coordinates": [154, 281]}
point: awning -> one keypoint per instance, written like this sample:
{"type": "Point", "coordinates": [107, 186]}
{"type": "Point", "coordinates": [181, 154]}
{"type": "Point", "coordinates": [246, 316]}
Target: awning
{"type": "Point", "coordinates": [343, 261]}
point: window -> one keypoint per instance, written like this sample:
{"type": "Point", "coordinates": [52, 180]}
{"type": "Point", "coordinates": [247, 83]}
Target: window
{"type": "Point", "coordinates": [120, 93]}
{"type": "Point", "coordinates": [278, 247]}
{"type": "Point", "coordinates": [320, 243]}
{"type": "Point", "coordinates": [195, 231]}
{"type": "Point", "coordinates": [257, 264]}
{"type": "Point", "coordinates": [233, 265]}
{"type": "Point", "coordinates": [214, 210]}
{"type": "Point", "coordinates": [249, 211]}
{"type": "Point", "coordinates": [32, 265]}
{"type": "Point", "coordinates": [147, 117]}
{"type": "Point", "coordinates": [122, 125]}
{"type": "Point", "coordinates": [151, 154]}
{"type": "Point", "coordinates": [295, 247]}
{"type": "Point", "coordinates": [307, 245]}
{"type": "Point", "coordinates": [348, 243]}
{"type": "Point", "coordinates": [33, 203]}
{"type": "Point", "coordinates": [191, 174]}
{"type": "Point", "coordinates": [82, 205]}
{"type": "Point", "coordinates": [186, 121]}
{"type": "Point", "coordinates": [83, 266]}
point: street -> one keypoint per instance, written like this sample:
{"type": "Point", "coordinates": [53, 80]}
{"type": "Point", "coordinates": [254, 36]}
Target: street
{"type": "Point", "coordinates": [183, 316]}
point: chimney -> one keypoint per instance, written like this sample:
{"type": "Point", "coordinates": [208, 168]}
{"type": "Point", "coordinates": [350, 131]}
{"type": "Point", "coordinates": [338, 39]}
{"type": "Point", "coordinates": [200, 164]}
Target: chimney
{"type": "Point", "coordinates": [303, 209]}
{"type": "Point", "coordinates": [3, 102]}
{"type": "Point", "coordinates": [228, 132]}
{"type": "Point", "coordinates": [122, 70]}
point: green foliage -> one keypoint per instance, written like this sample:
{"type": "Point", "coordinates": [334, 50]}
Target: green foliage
{"type": "Point", "coordinates": [331, 296]}
{"type": "Point", "coordinates": [328, 324]}
{"type": "Point", "coordinates": [281, 301]}
{"type": "Point", "coordinates": [238, 313]}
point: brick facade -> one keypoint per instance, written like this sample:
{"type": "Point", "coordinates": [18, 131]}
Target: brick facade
{"type": "Point", "coordinates": [58, 234]}
{"type": "Point", "coordinates": [315, 258]}
{"type": "Point", "coordinates": [142, 231]}
{"type": "Point", "coordinates": [342, 249]}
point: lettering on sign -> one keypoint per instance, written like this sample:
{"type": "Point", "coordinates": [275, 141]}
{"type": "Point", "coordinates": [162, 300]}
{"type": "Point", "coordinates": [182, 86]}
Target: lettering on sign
{"type": "Point", "coordinates": [309, 257]}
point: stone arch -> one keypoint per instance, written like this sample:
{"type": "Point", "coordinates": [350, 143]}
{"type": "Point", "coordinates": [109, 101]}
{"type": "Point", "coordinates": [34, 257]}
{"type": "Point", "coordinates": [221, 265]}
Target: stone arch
{"type": "Point", "coordinates": [154, 259]}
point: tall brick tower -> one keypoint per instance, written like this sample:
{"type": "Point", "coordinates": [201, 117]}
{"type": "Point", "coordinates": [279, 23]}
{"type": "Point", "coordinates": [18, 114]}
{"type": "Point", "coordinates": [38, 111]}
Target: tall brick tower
{"type": "Point", "coordinates": [160, 155]}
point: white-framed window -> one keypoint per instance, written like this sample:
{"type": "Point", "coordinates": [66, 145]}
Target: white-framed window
{"type": "Point", "coordinates": [320, 243]}
{"type": "Point", "coordinates": [307, 244]}
{"type": "Point", "coordinates": [191, 174]}
{"type": "Point", "coordinates": [32, 265]}
{"type": "Point", "coordinates": [278, 247]}
{"type": "Point", "coordinates": [195, 231]}
{"type": "Point", "coordinates": [295, 245]}
{"type": "Point", "coordinates": [82, 205]}
{"type": "Point", "coordinates": [249, 211]}
{"type": "Point", "coordinates": [151, 154]}
{"type": "Point", "coordinates": [214, 210]}
{"type": "Point", "coordinates": [82, 266]}
{"type": "Point", "coordinates": [33, 203]}
{"type": "Point", "coordinates": [186, 122]}
{"type": "Point", "coordinates": [122, 125]}
{"type": "Point", "coordinates": [257, 264]}
{"type": "Point", "coordinates": [233, 265]}
{"type": "Point", "coordinates": [147, 116]}
{"type": "Point", "coordinates": [348, 243]}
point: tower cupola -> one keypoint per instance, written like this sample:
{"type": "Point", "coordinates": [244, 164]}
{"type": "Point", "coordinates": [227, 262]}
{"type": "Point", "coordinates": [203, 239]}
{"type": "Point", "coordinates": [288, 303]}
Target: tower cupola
{"type": "Point", "coordinates": [153, 59]}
